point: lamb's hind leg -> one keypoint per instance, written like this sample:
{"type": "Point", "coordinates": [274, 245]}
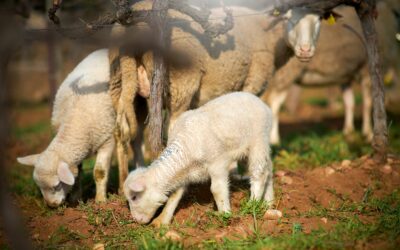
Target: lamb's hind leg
{"type": "Point", "coordinates": [101, 169]}
{"type": "Point", "coordinates": [260, 169]}
{"type": "Point", "coordinates": [168, 212]}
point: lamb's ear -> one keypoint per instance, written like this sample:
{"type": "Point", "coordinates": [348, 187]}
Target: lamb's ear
{"type": "Point", "coordinates": [29, 160]}
{"type": "Point", "coordinates": [64, 174]}
{"type": "Point", "coordinates": [137, 187]}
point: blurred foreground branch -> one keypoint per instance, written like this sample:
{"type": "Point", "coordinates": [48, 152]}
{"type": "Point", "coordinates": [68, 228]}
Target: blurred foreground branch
{"type": "Point", "coordinates": [11, 218]}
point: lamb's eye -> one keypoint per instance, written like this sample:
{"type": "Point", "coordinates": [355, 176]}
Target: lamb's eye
{"type": "Point", "coordinates": [58, 187]}
{"type": "Point", "coordinates": [133, 197]}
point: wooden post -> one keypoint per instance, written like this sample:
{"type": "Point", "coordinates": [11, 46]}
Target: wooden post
{"type": "Point", "coordinates": [160, 74]}
{"type": "Point", "coordinates": [367, 12]}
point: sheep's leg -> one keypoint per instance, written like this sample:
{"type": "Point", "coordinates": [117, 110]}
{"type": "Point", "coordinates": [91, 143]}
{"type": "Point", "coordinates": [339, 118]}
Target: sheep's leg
{"type": "Point", "coordinates": [276, 99]}
{"type": "Point", "coordinates": [219, 174]}
{"type": "Point", "coordinates": [101, 169]}
{"type": "Point", "coordinates": [260, 168]}
{"type": "Point", "coordinates": [278, 88]}
{"type": "Point", "coordinates": [367, 106]}
{"type": "Point", "coordinates": [168, 212]}
{"type": "Point", "coordinates": [182, 92]}
{"type": "Point", "coordinates": [348, 100]}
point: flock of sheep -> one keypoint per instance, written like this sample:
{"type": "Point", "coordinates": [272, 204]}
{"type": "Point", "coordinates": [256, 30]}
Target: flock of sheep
{"type": "Point", "coordinates": [258, 57]}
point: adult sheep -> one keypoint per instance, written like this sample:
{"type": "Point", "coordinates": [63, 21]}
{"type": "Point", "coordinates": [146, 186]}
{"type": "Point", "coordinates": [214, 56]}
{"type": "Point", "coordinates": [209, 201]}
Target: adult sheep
{"type": "Point", "coordinates": [244, 59]}
{"type": "Point", "coordinates": [340, 59]}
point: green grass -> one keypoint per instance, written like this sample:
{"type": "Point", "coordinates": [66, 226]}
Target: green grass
{"type": "Point", "coordinates": [22, 182]}
{"type": "Point", "coordinates": [319, 146]}
{"type": "Point", "coordinates": [218, 219]}
{"type": "Point", "coordinates": [33, 129]}
{"type": "Point", "coordinates": [140, 237]}
{"type": "Point", "coordinates": [253, 207]}
{"type": "Point", "coordinates": [316, 101]}
{"type": "Point", "coordinates": [314, 149]}
{"type": "Point", "coordinates": [62, 236]}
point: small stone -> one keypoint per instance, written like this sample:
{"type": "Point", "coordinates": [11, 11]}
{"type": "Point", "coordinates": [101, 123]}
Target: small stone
{"type": "Point", "coordinates": [324, 220]}
{"type": "Point", "coordinates": [98, 246]}
{"type": "Point", "coordinates": [272, 214]}
{"type": "Point", "coordinates": [172, 235]}
{"type": "Point", "coordinates": [329, 171]}
{"type": "Point", "coordinates": [389, 160]}
{"type": "Point", "coordinates": [286, 180]}
{"type": "Point", "coordinates": [364, 157]}
{"type": "Point", "coordinates": [35, 236]}
{"type": "Point", "coordinates": [387, 169]}
{"type": "Point", "coordinates": [346, 163]}
{"type": "Point", "coordinates": [280, 173]}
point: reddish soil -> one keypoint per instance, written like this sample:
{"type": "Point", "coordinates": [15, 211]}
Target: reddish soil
{"type": "Point", "coordinates": [309, 189]}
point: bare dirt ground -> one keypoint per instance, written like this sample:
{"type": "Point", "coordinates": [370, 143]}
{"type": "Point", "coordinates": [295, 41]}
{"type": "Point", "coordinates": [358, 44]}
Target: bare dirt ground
{"type": "Point", "coordinates": [310, 199]}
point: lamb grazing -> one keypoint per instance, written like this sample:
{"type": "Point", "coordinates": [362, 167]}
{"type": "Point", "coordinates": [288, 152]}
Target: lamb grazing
{"type": "Point", "coordinates": [336, 62]}
{"type": "Point", "coordinates": [204, 143]}
{"type": "Point", "coordinates": [85, 119]}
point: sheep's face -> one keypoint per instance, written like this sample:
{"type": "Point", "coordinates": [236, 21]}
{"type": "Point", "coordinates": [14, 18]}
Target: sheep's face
{"type": "Point", "coordinates": [53, 177]}
{"type": "Point", "coordinates": [302, 32]}
{"type": "Point", "coordinates": [143, 199]}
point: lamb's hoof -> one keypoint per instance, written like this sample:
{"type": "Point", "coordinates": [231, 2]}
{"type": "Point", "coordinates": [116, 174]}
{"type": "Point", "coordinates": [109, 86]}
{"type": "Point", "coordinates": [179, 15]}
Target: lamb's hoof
{"type": "Point", "coordinates": [368, 137]}
{"type": "Point", "coordinates": [100, 199]}
{"type": "Point", "coordinates": [157, 223]}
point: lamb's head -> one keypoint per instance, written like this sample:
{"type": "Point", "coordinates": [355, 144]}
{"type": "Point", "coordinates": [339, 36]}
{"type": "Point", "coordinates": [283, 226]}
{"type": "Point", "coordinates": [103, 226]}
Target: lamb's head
{"type": "Point", "coordinates": [53, 176]}
{"type": "Point", "coordinates": [302, 32]}
{"type": "Point", "coordinates": [143, 196]}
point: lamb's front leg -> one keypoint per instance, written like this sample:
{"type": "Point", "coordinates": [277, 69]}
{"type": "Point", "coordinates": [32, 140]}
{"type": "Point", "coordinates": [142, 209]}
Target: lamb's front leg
{"type": "Point", "coordinates": [101, 169]}
{"type": "Point", "coordinates": [168, 212]}
{"type": "Point", "coordinates": [220, 187]}
{"type": "Point", "coordinates": [76, 193]}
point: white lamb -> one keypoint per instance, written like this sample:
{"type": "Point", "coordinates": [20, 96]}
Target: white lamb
{"type": "Point", "coordinates": [203, 143]}
{"type": "Point", "coordinates": [85, 119]}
